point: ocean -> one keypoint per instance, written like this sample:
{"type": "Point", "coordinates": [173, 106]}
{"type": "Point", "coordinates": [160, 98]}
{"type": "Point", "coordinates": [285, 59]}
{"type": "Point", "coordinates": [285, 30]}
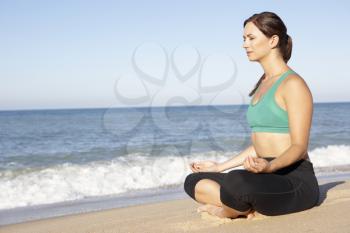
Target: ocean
{"type": "Point", "coordinates": [57, 162]}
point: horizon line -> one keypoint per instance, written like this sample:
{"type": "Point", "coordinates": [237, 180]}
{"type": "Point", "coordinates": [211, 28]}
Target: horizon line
{"type": "Point", "coordinates": [121, 107]}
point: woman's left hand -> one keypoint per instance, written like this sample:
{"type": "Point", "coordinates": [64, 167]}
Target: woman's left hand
{"type": "Point", "coordinates": [256, 165]}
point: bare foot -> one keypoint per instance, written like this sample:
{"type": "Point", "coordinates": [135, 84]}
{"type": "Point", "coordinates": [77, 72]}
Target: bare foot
{"type": "Point", "coordinates": [218, 211]}
{"type": "Point", "coordinates": [251, 215]}
{"type": "Point", "coordinates": [255, 215]}
{"type": "Point", "coordinates": [204, 208]}
{"type": "Point", "coordinates": [214, 210]}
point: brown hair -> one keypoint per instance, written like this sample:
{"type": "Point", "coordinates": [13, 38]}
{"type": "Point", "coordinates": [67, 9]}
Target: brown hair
{"type": "Point", "coordinates": [271, 24]}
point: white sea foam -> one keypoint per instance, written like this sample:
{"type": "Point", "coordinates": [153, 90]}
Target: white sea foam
{"type": "Point", "coordinates": [332, 155]}
{"type": "Point", "coordinates": [121, 175]}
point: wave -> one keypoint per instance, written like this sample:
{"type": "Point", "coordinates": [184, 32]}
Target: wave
{"type": "Point", "coordinates": [66, 182]}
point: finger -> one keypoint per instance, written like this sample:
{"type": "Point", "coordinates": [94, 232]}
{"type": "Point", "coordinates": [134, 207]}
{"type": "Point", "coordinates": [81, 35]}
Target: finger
{"type": "Point", "coordinates": [253, 169]}
{"type": "Point", "coordinates": [251, 164]}
{"type": "Point", "coordinates": [259, 164]}
{"type": "Point", "coordinates": [256, 166]}
{"type": "Point", "coordinates": [248, 165]}
{"type": "Point", "coordinates": [245, 164]}
{"type": "Point", "coordinates": [193, 166]}
{"type": "Point", "coordinates": [255, 162]}
{"type": "Point", "coordinates": [263, 164]}
{"type": "Point", "coordinates": [192, 169]}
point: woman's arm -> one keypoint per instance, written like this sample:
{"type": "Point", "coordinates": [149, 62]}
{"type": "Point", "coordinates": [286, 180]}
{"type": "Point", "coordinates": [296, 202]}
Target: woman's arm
{"type": "Point", "coordinates": [238, 159]}
{"type": "Point", "coordinates": [299, 102]}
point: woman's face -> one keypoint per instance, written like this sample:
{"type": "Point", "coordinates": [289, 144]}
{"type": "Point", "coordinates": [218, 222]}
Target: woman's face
{"type": "Point", "coordinates": [256, 44]}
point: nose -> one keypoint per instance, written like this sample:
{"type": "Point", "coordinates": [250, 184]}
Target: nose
{"type": "Point", "coordinates": [245, 46]}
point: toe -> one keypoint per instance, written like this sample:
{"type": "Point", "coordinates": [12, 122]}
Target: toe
{"type": "Point", "coordinates": [251, 214]}
{"type": "Point", "coordinates": [202, 208]}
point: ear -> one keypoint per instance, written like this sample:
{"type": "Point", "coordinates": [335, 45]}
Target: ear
{"type": "Point", "coordinates": [274, 41]}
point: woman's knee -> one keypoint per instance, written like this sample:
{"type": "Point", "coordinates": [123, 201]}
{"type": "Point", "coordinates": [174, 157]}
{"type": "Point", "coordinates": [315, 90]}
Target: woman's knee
{"type": "Point", "coordinates": [200, 183]}
{"type": "Point", "coordinates": [207, 186]}
{"type": "Point", "coordinates": [190, 183]}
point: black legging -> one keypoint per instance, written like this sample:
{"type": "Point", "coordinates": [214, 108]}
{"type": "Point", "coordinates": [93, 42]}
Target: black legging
{"type": "Point", "coordinates": [287, 190]}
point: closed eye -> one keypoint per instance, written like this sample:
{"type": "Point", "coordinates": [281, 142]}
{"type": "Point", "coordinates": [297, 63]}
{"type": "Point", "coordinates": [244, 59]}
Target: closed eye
{"type": "Point", "coordinates": [250, 39]}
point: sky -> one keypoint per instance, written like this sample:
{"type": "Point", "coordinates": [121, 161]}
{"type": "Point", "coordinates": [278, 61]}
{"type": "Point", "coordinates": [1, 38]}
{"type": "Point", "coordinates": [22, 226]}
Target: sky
{"type": "Point", "coordinates": [87, 54]}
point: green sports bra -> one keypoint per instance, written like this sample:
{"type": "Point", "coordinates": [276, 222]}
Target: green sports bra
{"type": "Point", "coordinates": [266, 115]}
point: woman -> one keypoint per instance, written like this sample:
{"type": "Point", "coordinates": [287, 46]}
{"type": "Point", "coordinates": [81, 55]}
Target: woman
{"type": "Point", "coordinates": [278, 177]}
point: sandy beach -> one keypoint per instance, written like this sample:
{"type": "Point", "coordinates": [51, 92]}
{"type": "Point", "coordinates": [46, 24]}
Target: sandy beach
{"type": "Point", "coordinates": [331, 215]}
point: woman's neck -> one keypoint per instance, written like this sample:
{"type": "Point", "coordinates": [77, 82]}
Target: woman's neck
{"type": "Point", "coordinates": [273, 66]}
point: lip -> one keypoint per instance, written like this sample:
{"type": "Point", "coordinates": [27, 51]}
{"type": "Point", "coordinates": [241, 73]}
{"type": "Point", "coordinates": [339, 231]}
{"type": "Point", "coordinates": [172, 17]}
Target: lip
{"type": "Point", "coordinates": [249, 52]}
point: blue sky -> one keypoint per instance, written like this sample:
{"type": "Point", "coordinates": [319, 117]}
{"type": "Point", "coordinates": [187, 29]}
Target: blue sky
{"type": "Point", "coordinates": [69, 54]}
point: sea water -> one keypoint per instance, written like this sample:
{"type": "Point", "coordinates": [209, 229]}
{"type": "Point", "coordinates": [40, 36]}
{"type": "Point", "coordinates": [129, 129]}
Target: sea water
{"type": "Point", "coordinates": [56, 162]}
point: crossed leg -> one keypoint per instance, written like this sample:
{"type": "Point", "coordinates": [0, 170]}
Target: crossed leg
{"type": "Point", "coordinates": [207, 192]}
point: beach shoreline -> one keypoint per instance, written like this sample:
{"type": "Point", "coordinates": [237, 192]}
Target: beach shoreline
{"type": "Point", "coordinates": [180, 216]}
{"type": "Point", "coordinates": [135, 198]}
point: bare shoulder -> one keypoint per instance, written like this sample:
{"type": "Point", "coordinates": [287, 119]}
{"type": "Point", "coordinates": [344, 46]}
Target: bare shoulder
{"type": "Point", "coordinates": [294, 84]}
{"type": "Point", "coordinates": [294, 80]}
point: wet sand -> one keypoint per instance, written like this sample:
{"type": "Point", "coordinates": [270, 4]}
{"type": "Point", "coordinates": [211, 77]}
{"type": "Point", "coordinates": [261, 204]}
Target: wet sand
{"type": "Point", "coordinates": [331, 215]}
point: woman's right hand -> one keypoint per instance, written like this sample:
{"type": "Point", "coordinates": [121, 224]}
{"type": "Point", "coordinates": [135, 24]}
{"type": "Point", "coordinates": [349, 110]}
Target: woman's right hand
{"type": "Point", "coordinates": [204, 166]}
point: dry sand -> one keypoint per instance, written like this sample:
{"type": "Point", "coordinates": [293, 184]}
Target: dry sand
{"type": "Point", "coordinates": [331, 215]}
